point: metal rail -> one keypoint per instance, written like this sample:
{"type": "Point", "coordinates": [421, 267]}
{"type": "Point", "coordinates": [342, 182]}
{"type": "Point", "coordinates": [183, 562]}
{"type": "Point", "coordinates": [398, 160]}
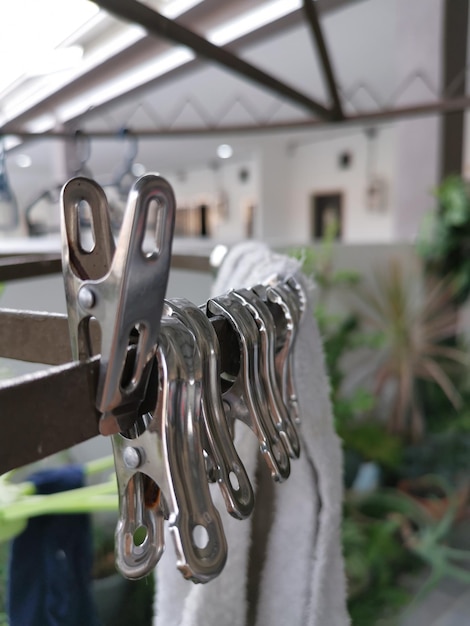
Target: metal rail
{"type": "Point", "coordinates": [47, 412]}
{"type": "Point", "coordinates": [53, 409]}
{"type": "Point", "coordinates": [17, 267]}
{"type": "Point", "coordinates": [386, 114]}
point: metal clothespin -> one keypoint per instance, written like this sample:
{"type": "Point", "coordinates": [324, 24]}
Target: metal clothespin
{"type": "Point", "coordinates": [290, 297]}
{"type": "Point", "coordinates": [122, 289]}
{"type": "Point", "coordinates": [163, 468]}
{"type": "Point", "coordinates": [267, 345]}
{"type": "Point", "coordinates": [226, 467]}
{"type": "Point", "coordinates": [166, 393]}
{"type": "Point", "coordinates": [286, 302]}
{"type": "Point", "coordinates": [245, 397]}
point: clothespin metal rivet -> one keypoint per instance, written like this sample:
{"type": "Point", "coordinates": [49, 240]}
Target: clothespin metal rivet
{"type": "Point", "coordinates": [132, 457]}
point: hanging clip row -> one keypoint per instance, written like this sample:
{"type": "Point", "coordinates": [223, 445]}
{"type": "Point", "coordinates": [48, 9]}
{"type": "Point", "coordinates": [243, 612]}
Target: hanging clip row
{"type": "Point", "coordinates": [175, 377]}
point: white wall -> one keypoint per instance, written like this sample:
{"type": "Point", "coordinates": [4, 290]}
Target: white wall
{"type": "Point", "coordinates": [314, 169]}
{"type": "Point", "coordinates": [197, 186]}
{"type": "Point", "coordinates": [285, 173]}
{"type": "Point", "coordinates": [287, 169]}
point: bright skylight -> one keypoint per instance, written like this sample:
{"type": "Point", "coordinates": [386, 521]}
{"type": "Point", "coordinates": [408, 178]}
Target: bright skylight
{"type": "Point", "coordinates": [176, 57]}
{"type": "Point", "coordinates": [251, 20]}
{"type": "Point", "coordinates": [30, 31]}
{"type": "Point", "coordinates": [40, 38]}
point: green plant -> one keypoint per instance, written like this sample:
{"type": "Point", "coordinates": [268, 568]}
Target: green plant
{"type": "Point", "coordinates": [387, 533]}
{"type": "Point", "coordinates": [402, 336]}
{"type": "Point", "coordinates": [445, 454]}
{"type": "Point", "coordinates": [444, 239]}
{"type": "Point", "coordinates": [413, 328]}
{"type": "Point", "coordinates": [340, 333]}
{"type": "Point", "coordinates": [370, 440]}
{"type": "Point", "coordinates": [19, 502]}
{"type": "Point", "coordinates": [374, 559]}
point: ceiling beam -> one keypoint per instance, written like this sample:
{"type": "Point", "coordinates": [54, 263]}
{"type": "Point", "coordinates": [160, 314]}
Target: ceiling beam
{"type": "Point", "coordinates": [159, 25]}
{"type": "Point", "coordinates": [381, 115]}
{"type": "Point", "coordinates": [311, 14]}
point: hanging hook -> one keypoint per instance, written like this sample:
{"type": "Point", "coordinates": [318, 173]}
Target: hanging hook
{"type": "Point", "coordinates": [8, 204]}
{"type": "Point", "coordinates": [82, 145]}
{"type": "Point", "coordinates": [126, 170]}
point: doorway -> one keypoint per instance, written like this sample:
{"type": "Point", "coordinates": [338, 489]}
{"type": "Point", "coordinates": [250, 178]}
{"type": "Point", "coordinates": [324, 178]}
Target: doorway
{"type": "Point", "coordinates": [326, 215]}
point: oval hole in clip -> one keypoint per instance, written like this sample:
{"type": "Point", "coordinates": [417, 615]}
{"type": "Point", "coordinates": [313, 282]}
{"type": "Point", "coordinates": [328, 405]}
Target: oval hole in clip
{"type": "Point", "coordinates": [200, 537]}
{"type": "Point", "coordinates": [234, 481]}
{"type": "Point", "coordinates": [154, 227]}
{"type": "Point", "coordinates": [89, 337]}
{"type": "Point", "coordinates": [140, 536]}
{"type": "Point", "coordinates": [130, 370]}
{"type": "Point", "coordinates": [86, 231]}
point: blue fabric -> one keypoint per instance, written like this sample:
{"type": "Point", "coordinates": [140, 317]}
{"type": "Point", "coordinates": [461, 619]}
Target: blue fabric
{"type": "Point", "coordinates": [51, 561]}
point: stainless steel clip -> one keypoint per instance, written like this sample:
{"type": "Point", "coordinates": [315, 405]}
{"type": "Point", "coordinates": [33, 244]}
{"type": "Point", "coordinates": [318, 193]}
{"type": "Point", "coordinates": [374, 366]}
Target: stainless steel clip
{"type": "Point", "coordinates": [245, 397]}
{"type": "Point", "coordinates": [169, 451]}
{"type": "Point", "coordinates": [267, 344]}
{"type": "Point", "coordinates": [122, 289]}
{"type": "Point", "coordinates": [226, 465]}
{"type": "Point", "coordinates": [286, 301]}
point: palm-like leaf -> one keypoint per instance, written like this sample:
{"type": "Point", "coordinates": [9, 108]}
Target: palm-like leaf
{"type": "Point", "coordinates": [414, 327]}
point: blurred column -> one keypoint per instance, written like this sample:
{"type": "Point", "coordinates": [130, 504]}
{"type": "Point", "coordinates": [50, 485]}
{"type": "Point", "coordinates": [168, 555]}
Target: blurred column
{"type": "Point", "coordinates": [454, 61]}
{"type": "Point", "coordinates": [272, 220]}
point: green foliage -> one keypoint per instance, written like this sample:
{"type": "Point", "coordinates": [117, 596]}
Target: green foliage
{"type": "Point", "coordinates": [358, 403]}
{"type": "Point", "coordinates": [338, 337]}
{"type": "Point", "coordinates": [413, 328]}
{"type": "Point", "coordinates": [446, 454]}
{"type": "Point", "coordinates": [340, 334]}
{"type": "Point", "coordinates": [395, 533]}
{"type": "Point", "coordinates": [138, 608]}
{"type": "Point", "coordinates": [445, 236]}
{"type": "Point", "coordinates": [317, 262]}
{"type": "Point", "coordinates": [378, 606]}
{"type": "Point", "coordinates": [374, 558]}
{"type": "Point", "coordinates": [386, 533]}
{"type": "Point", "coordinates": [373, 443]}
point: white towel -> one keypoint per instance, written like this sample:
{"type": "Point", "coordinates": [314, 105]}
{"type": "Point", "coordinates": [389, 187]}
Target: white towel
{"type": "Point", "coordinates": [290, 548]}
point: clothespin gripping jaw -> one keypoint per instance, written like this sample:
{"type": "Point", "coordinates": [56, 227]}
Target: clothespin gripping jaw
{"type": "Point", "coordinates": [124, 293]}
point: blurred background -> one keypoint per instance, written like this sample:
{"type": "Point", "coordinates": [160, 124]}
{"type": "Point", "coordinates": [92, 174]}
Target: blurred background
{"type": "Point", "coordinates": [333, 130]}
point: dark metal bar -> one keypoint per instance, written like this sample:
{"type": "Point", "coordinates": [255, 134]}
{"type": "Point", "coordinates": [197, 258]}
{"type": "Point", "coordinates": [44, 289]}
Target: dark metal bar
{"type": "Point", "coordinates": [47, 412]}
{"type": "Point", "coordinates": [317, 32]}
{"type": "Point", "coordinates": [428, 108]}
{"type": "Point", "coordinates": [28, 266]}
{"type": "Point", "coordinates": [157, 24]}
{"type": "Point", "coordinates": [31, 266]}
{"type": "Point", "coordinates": [38, 337]}
{"type": "Point", "coordinates": [34, 337]}
{"type": "Point", "coordinates": [454, 56]}
{"type": "Point", "coordinates": [193, 262]}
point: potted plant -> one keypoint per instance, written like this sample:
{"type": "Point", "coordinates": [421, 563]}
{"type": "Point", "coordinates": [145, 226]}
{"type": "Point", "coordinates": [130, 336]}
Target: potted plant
{"type": "Point", "coordinates": [412, 329]}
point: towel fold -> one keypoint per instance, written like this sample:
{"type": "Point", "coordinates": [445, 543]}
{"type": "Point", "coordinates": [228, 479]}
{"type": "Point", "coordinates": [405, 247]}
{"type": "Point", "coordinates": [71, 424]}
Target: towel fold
{"type": "Point", "coordinates": [285, 563]}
